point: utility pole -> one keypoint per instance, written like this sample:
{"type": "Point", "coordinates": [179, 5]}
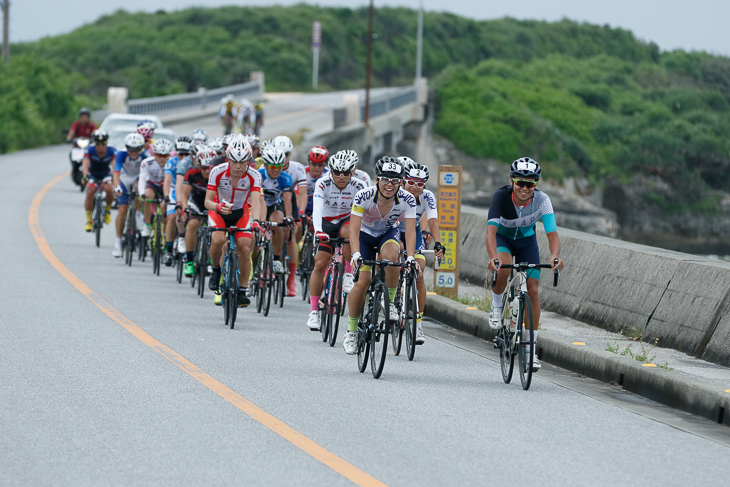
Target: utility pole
{"type": "Point", "coordinates": [316, 43]}
{"type": "Point", "coordinates": [369, 65]}
{"type": "Point", "coordinates": [6, 30]}
{"type": "Point", "coordinates": [419, 41]}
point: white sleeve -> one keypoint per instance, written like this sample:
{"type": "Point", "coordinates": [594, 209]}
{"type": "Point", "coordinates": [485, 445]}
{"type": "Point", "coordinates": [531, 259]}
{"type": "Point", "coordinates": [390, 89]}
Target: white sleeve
{"type": "Point", "coordinates": [142, 178]}
{"type": "Point", "coordinates": [431, 209]}
{"type": "Point", "coordinates": [317, 205]}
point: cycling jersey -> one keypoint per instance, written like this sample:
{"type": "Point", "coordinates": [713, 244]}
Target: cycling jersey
{"type": "Point", "coordinates": [150, 172]}
{"type": "Point", "coordinates": [184, 165]}
{"type": "Point", "coordinates": [365, 205]}
{"type": "Point", "coordinates": [100, 167]}
{"type": "Point", "coordinates": [332, 204]}
{"type": "Point", "coordinates": [273, 188]}
{"type": "Point", "coordinates": [129, 168]}
{"type": "Point", "coordinates": [425, 205]}
{"type": "Point", "coordinates": [219, 181]}
{"type": "Point", "coordinates": [82, 129]}
{"type": "Point", "coordinates": [517, 222]}
{"type": "Point", "coordinates": [217, 161]}
{"type": "Point", "coordinates": [298, 173]}
{"type": "Point", "coordinates": [311, 186]}
{"type": "Point", "coordinates": [363, 176]}
{"type": "Point", "coordinates": [198, 186]}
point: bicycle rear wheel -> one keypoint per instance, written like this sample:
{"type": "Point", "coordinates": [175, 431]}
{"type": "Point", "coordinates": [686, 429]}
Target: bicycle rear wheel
{"type": "Point", "coordinates": [269, 280]}
{"type": "Point", "coordinates": [336, 303]}
{"type": "Point", "coordinates": [158, 242]}
{"type": "Point", "coordinates": [411, 316]}
{"type": "Point", "coordinates": [379, 330]}
{"type": "Point", "coordinates": [98, 220]}
{"type": "Point", "coordinates": [233, 286]}
{"type": "Point", "coordinates": [363, 334]}
{"type": "Point", "coordinates": [260, 276]}
{"type": "Point", "coordinates": [526, 357]}
{"type": "Point", "coordinates": [179, 268]}
{"type": "Point", "coordinates": [325, 318]}
{"type": "Point", "coordinates": [305, 266]}
{"type": "Point", "coordinates": [397, 328]}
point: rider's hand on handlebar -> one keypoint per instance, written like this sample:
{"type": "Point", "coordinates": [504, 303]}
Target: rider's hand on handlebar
{"type": "Point", "coordinates": [321, 236]}
{"type": "Point", "coordinates": [118, 190]}
{"type": "Point", "coordinates": [557, 263]}
{"type": "Point", "coordinates": [356, 260]}
{"type": "Point", "coordinates": [287, 221]}
{"type": "Point", "coordinates": [439, 250]}
{"type": "Point", "coordinates": [256, 225]}
{"type": "Point", "coordinates": [494, 265]}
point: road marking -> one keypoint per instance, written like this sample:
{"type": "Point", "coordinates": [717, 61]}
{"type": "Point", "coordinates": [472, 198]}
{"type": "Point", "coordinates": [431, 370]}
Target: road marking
{"type": "Point", "coordinates": [297, 113]}
{"type": "Point", "coordinates": [297, 439]}
{"type": "Point", "coordinates": [579, 343]}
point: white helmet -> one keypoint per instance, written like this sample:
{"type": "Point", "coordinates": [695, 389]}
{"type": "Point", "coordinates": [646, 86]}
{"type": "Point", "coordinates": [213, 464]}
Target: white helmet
{"type": "Point", "coordinates": [216, 144]}
{"type": "Point", "coordinates": [134, 142]}
{"type": "Point", "coordinates": [162, 147]}
{"type": "Point", "coordinates": [273, 156]}
{"type": "Point", "coordinates": [239, 149]}
{"type": "Point", "coordinates": [205, 155]}
{"type": "Point", "coordinates": [284, 143]}
{"type": "Point", "coordinates": [200, 134]}
{"type": "Point", "coordinates": [342, 161]}
{"type": "Point", "coordinates": [407, 162]}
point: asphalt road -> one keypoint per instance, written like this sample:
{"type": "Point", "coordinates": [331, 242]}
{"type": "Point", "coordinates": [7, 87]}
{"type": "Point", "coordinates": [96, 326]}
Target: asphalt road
{"type": "Point", "coordinates": [175, 398]}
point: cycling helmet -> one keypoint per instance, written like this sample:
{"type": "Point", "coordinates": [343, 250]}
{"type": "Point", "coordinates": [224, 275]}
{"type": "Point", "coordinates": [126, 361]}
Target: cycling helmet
{"type": "Point", "coordinates": [265, 144]}
{"type": "Point", "coordinates": [162, 147]}
{"type": "Point", "coordinates": [284, 143]}
{"type": "Point", "coordinates": [134, 142]}
{"type": "Point", "coordinates": [274, 156]}
{"type": "Point", "coordinates": [99, 135]}
{"type": "Point", "coordinates": [199, 134]}
{"type": "Point", "coordinates": [318, 155]}
{"type": "Point", "coordinates": [351, 155]}
{"type": "Point", "coordinates": [226, 139]}
{"type": "Point", "coordinates": [239, 149]}
{"type": "Point", "coordinates": [417, 171]}
{"type": "Point", "coordinates": [525, 167]}
{"type": "Point", "coordinates": [407, 162]}
{"type": "Point", "coordinates": [85, 111]}
{"type": "Point", "coordinates": [146, 121]}
{"type": "Point", "coordinates": [183, 144]}
{"type": "Point", "coordinates": [206, 155]}
{"type": "Point", "coordinates": [341, 162]}
{"type": "Point", "coordinates": [389, 167]}
{"type": "Point", "coordinates": [197, 144]}
{"type": "Point", "coordinates": [216, 144]}
{"type": "Point", "coordinates": [146, 130]}
{"type": "Point", "coordinates": [253, 140]}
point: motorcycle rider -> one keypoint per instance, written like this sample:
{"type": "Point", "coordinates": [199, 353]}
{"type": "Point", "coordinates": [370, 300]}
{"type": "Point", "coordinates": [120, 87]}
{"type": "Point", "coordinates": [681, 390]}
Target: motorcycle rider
{"type": "Point", "coordinates": [83, 127]}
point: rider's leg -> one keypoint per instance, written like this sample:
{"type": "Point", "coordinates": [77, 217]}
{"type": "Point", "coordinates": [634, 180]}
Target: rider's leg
{"type": "Point", "coordinates": [278, 235]}
{"type": "Point", "coordinates": [535, 301]}
{"type": "Point", "coordinates": [191, 235]}
{"type": "Point", "coordinates": [243, 248]}
{"type": "Point", "coordinates": [316, 280]}
{"type": "Point", "coordinates": [391, 251]}
{"type": "Point", "coordinates": [421, 284]}
{"type": "Point", "coordinates": [502, 278]}
{"type": "Point", "coordinates": [149, 194]}
{"type": "Point", "coordinates": [121, 219]}
{"type": "Point", "coordinates": [356, 299]}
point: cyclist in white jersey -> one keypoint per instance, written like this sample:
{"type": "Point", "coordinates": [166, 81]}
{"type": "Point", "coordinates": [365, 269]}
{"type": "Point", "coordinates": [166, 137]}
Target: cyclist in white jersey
{"type": "Point", "coordinates": [125, 175]}
{"type": "Point", "coordinates": [298, 175]}
{"type": "Point", "coordinates": [331, 208]}
{"type": "Point", "coordinates": [151, 179]}
{"type": "Point", "coordinates": [373, 230]}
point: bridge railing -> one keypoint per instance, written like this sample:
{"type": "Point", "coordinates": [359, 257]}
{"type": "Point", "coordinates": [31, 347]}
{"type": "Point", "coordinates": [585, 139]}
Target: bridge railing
{"type": "Point", "coordinates": [193, 101]}
{"type": "Point", "coordinates": [385, 103]}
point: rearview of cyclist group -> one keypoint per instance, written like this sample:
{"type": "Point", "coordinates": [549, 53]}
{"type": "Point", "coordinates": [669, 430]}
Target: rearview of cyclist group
{"type": "Point", "coordinates": [240, 212]}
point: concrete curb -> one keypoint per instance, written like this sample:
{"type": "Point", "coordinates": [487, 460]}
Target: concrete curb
{"type": "Point", "coordinates": [666, 387]}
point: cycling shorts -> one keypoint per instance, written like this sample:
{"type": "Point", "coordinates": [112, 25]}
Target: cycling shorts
{"type": "Point", "coordinates": [156, 188]}
{"type": "Point", "coordinates": [294, 206]}
{"type": "Point", "coordinates": [271, 209]}
{"type": "Point", "coordinates": [521, 250]}
{"type": "Point", "coordinates": [370, 246]}
{"type": "Point", "coordinates": [238, 218]}
{"type": "Point", "coordinates": [196, 210]}
{"type": "Point", "coordinates": [126, 193]}
{"type": "Point", "coordinates": [333, 230]}
{"type": "Point", "coordinates": [102, 179]}
{"type": "Point", "coordinates": [419, 239]}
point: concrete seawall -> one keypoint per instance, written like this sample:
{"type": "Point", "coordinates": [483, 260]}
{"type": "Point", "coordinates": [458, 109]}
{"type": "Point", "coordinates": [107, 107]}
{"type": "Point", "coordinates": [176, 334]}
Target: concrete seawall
{"type": "Point", "coordinates": [680, 299]}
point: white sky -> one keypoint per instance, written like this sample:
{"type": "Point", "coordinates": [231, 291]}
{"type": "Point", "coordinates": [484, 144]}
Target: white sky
{"type": "Point", "coordinates": [672, 24]}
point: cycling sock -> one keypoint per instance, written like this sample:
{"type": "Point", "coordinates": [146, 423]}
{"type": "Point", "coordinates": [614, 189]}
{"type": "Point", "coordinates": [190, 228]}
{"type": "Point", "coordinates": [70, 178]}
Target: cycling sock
{"type": "Point", "coordinates": [496, 300]}
{"type": "Point", "coordinates": [216, 268]}
{"type": "Point", "coordinates": [314, 302]}
{"type": "Point", "coordinates": [391, 293]}
{"type": "Point", "coordinates": [88, 216]}
{"type": "Point", "coordinates": [108, 208]}
{"type": "Point", "coordinates": [242, 289]}
{"type": "Point", "coordinates": [168, 246]}
{"type": "Point", "coordinates": [420, 316]}
{"type": "Point", "coordinates": [189, 256]}
{"type": "Point", "coordinates": [119, 240]}
{"type": "Point", "coordinates": [352, 325]}
{"type": "Point", "coordinates": [348, 267]}
{"type": "Point", "coordinates": [277, 257]}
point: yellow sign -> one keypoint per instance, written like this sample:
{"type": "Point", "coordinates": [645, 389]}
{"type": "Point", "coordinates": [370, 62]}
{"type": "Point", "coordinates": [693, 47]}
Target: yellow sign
{"type": "Point", "coordinates": [450, 241]}
{"type": "Point", "coordinates": [448, 203]}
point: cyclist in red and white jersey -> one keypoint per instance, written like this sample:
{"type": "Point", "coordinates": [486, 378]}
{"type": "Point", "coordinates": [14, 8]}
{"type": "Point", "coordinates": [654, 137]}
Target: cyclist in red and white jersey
{"type": "Point", "coordinates": [331, 210]}
{"type": "Point", "coordinates": [229, 186]}
{"type": "Point", "coordinates": [317, 167]}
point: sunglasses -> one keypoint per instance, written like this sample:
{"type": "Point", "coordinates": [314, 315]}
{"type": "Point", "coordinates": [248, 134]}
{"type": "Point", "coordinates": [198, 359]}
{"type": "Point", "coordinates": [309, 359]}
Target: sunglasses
{"type": "Point", "coordinates": [413, 182]}
{"type": "Point", "coordinates": [393, 181]}
{"type": "Point", "coordinates": [341, 173]}
{"type": "Point", "coordinates": [523, 183]}
{"type": "Point", "coordinates": [318, 164]}
{"type": "Point", "coordinates": [275, 166]}
{"type": "Point", "coordinates": [100, 143]}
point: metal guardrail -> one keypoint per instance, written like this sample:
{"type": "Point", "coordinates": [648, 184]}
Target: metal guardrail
{"type": "Point", "coordinates": [392, 100]}
{"type": "Point", "coordinates": [192, 101]}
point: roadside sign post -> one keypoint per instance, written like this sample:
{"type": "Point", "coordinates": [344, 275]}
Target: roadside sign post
{"type": "Point", "coordinates": [316, 43]}
{"type": "Point", "coordinates": [448, 195]}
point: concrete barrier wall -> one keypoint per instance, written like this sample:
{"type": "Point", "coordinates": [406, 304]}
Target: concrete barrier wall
{"type": "Point", "coordinates": [682, 300]}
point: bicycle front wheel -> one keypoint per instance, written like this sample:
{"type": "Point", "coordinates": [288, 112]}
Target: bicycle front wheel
{"type": "Point", "coordinates": [363, 335]}
{"type": "Point", "coordinates": [336, 303]}
{"type": "Point", "coordinates": [527, 338]}
{"type": "Point", "coordinates": [396, 328]}
{"type": "Point", "coordinates": [380, 324]}
{"type": "Point", "coordinates": [260, 276]}
{"type": "Point", "coordinates": [411, 316]}
{"type": "Point", "coordinates": [179, 268]}
{"type": "Point", "coordinates": [268, 280]}
{"type": "Point", "coordinates": [98, 220]}
{"type": "Point", "coordinates": [325, 318]}
{"type": "Point", "coordinates": [158, 243]}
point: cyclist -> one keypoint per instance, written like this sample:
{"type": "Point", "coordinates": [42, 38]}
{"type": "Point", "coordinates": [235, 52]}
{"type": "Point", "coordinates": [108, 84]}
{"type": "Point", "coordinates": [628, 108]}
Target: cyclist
{"type": "Point", "coordinates": [255, 143]}
{"type": "Point", "coordinates": [277, 188]}
{"type": "Point", "coordinates": [415, 181]}
{"type": "Point", "coordinates": [259, 107]}
{"type": "Point", "coordinates": [227, 112]}
{"type": "Point", "coordinates": [226, 199]}
{"type": "Point", "coordinates": [83, 127]}
{"type": "Point", "coordinates": [217, 145]}
{"type": "Point", "coordinates": [332, 205]}
{"type": "Point", "coordinates": [192, 199]}
{"type": "Point", "coordinates": [146, 128]}
{"type": "Point", "coordinates": [317, 159]}
{"type": "Point", "coordinates": [511, 235]}
{"type": "Point", "coordinates": [152, 178]}
{"type": "Point", "coordinates": [373, 230]}
{"type": "Point", "coordinates": [96, 168]}
{"type": "Point", "coordinates": [172, 210]}
{"type": "Point", "coordinates": [299, 204]}
{"type": "Point", "coordinates": [125, 175]}
{"type": "Point", "coordinates": [246, 116]}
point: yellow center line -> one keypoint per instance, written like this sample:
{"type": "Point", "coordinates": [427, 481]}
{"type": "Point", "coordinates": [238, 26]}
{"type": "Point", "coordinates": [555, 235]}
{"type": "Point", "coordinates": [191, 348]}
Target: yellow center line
{"type": "Point", "coordinates": [297, 439]}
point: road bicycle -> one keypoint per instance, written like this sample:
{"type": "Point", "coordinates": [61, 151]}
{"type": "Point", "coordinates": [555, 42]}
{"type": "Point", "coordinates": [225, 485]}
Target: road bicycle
{"type": "Point", "coordinates": [200, 255]}
{"type": "Point", "coordinates": [97, 219]}
{"type": "Point", "coordinates": [155, 239]}
{"type": "Point", "coordinates": [331, 302]}
{"type": "Point", "coordinates": [229, 284]}
{"type": "Point", "coordinates": [374, 322]}
{"type": "Point", "coordinates": [130, 235]}
{"type": "Point", "coordinates": [280, 288]}
{"type": "Point", "coordinates": [264, 279]}
{"type": "Point", "coordinates": [516, 336]}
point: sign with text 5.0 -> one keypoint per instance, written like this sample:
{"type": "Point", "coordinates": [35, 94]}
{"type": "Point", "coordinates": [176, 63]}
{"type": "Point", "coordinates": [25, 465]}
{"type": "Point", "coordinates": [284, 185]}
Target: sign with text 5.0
{"type": "Point", "coordinates": [445, 279]}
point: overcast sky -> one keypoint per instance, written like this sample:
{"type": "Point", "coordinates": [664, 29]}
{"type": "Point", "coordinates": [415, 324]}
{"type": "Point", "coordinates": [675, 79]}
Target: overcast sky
{"type": "Point", "coordinates": [672, 24]}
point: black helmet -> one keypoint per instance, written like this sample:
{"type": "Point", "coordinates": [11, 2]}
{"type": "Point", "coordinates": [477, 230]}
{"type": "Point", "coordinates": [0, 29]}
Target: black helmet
{"type": "Point", "coordinates": [390, 167]}
{"type": "Point", "coordinates": [85, 111]}
{"type": "Point", "coordinates": [99, 135]}
{"type": "Point", "coordinates": [525, 167]}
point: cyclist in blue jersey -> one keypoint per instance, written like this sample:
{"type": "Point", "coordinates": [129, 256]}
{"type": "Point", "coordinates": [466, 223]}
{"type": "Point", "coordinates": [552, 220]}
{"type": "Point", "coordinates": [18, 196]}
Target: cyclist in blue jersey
{"type": "Point", "coordinates": [125, 176]}
{"type": "Point", "coordinates": [96, 168]}
{"type": "Point", "coordinates": [277, 188]}
{"type": "Point", "coordinates": [511, 235]}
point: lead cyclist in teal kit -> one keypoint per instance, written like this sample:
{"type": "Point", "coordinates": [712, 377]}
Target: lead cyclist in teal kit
{"type": "Point", "coordinates": [511, 234]}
